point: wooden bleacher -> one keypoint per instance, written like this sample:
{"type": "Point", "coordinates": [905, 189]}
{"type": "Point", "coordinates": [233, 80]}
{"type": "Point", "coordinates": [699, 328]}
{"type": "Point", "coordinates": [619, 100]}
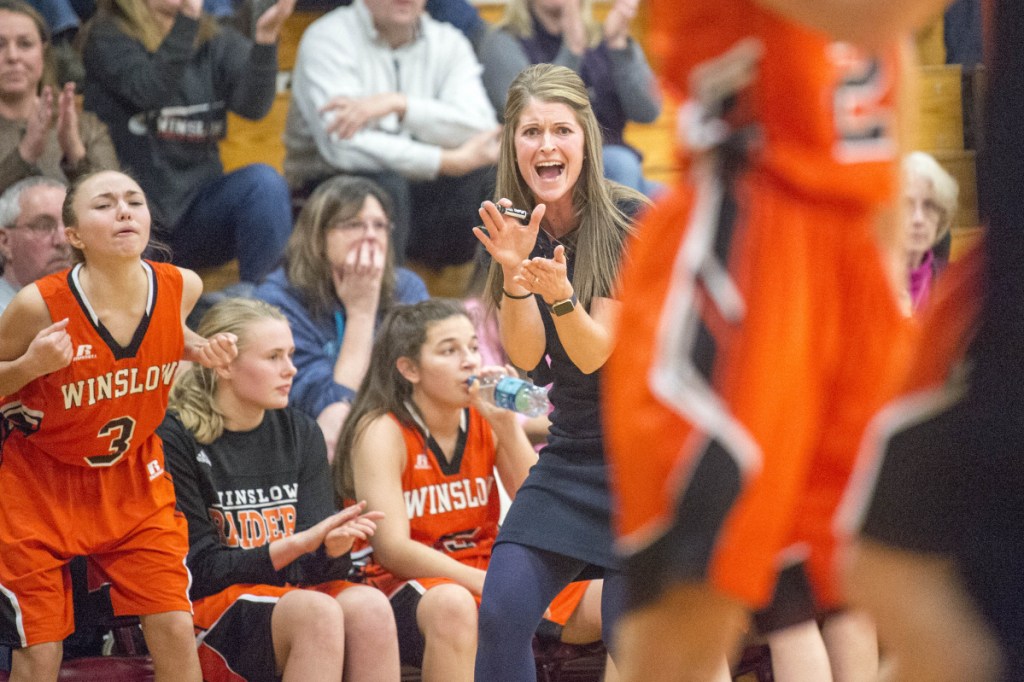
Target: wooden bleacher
{"type": "Point", "coordinates": [940, 130]}
{"type": "Point", "coordinates": [260, 141]}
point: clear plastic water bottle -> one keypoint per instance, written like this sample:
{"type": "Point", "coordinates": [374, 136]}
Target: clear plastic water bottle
{"type": "Point", "coordinates": [513, 393]}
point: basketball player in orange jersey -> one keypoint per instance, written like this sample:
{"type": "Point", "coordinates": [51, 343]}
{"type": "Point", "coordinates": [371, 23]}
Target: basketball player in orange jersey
{"type": "Point", "coordinates": [422, 447]}
{"type": "Point", "coordinates": [936, 497]}
{"type": "Point", "coordinates": [87, 357]}
{"type": "Point", "coordinates": [908, 499]}
{"type": "Point", "coordinates": [762, 322]}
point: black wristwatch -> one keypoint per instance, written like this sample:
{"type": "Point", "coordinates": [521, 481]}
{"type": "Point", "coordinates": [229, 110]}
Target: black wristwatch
{"type": "Point", "coordinates": [559, 308]}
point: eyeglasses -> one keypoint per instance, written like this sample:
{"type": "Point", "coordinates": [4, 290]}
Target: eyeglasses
{"type": "Point", "coordinates": [41, 226]}
{"type": "Point", "coordinates": [929, 207]}
{"type": "Point", "coordinates": [362, 225]}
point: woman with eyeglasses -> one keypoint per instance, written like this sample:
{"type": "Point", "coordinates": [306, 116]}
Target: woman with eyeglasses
{"type": "Point", "coordinates": [338, 280]}
{"type": "Point", "coordinates": [931, 194]}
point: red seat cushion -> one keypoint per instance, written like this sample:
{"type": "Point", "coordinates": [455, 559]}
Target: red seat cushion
{"type": "Point", "coordinates": [104, 669]}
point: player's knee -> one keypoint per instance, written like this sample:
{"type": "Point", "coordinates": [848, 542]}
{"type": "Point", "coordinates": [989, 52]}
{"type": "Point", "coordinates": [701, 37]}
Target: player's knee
{"type": "Point", "coordinates": [368, 613]}
{"type": "Point", "coordinates": [37, 662]}
{"type": "Point", "coordinates": [448, 612]}
{"type": "Point", "coordinates": [313, 617]}
{"type": "Point", "coordinates": [168, 629]}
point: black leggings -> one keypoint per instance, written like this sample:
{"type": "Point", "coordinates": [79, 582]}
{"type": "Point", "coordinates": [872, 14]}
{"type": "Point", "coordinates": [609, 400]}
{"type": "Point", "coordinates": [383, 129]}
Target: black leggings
{"type": "Point", "coordinates": [521, 582]}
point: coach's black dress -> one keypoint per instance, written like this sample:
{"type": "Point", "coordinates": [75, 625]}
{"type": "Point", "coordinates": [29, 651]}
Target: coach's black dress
{"type": "Point", "coordinates": [563, 505]}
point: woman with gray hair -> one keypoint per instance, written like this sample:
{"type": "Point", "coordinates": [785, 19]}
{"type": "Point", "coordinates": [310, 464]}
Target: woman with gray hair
{"type": "Point", "coordinates": [32, 241]}
{"type": "Point", "coordinates": [931, 195]}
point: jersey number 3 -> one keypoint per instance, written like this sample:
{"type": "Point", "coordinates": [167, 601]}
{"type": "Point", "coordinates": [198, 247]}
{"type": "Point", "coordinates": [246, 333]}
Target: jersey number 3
{"type": "Point", "coordinates": [120, 432]}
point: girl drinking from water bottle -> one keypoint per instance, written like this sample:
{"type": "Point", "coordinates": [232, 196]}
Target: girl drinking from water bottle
{"type": "Point", "coordinates": [422, 446]}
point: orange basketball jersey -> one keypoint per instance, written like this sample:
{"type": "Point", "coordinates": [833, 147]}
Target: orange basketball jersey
{"type": "Point", "coordinates": [821, 114]}
{"type": "Point", "coordinates": [452, 506]}
{"type": "Point", "coordinates": [107, 403]}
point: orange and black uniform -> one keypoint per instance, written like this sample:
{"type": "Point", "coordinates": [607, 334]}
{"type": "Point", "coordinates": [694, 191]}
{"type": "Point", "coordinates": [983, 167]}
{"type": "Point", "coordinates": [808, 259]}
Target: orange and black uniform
{"type": "Point", "coordinates": [762, 327]}
{"type": "Point", "coordinates": [950, 476]}
{"type": "Point", "coordinates": [453, 506]}
{"type": "Point", "coordinates": [908, 489]}
{"type": "Point", "coordinates": [83, 473]}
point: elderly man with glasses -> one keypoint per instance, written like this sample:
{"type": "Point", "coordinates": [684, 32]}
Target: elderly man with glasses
{"type": "Point", "coordinates": [32, 240]}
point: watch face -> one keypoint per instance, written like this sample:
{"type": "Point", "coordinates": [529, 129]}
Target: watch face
{"type": "Point", "coordinates": [563, 307]}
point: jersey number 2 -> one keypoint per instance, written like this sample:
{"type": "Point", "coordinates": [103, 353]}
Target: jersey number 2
{"type": "Point", "coordinates": [864, 114]}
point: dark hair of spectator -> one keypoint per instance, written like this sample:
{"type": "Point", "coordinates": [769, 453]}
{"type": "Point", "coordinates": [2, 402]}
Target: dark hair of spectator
{"type": "Point", "coordinates": [334, 201]}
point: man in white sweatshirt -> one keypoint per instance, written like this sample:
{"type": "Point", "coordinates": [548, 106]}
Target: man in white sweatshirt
{"type": "Point", "coordinates": [380, 89]}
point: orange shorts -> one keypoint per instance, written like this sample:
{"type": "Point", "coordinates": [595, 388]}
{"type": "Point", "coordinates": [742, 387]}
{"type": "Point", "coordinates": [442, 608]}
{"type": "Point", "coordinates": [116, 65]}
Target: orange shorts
{"type": "Point", "coordinates": [763, 333]}
{"type": "Point", "coordinates": [123, 517]}
{"type": "Point", "coordinates": [561, 608]}
{"type": "Point", "coordinates": [233, 630]}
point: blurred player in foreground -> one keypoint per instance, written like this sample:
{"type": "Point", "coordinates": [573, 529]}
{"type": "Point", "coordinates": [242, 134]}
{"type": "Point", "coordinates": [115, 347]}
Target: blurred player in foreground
{"type": "Point", "coordinates": [763, 325]}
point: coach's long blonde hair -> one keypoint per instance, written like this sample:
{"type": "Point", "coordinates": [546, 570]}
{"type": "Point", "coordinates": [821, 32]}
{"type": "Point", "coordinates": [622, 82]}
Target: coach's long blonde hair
{"type": "Point", "coordinates": [194, 393]}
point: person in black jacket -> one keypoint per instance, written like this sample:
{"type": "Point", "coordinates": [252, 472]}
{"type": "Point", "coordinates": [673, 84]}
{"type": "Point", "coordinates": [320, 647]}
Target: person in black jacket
{"type": "Point", "coordinates": [163, 77]}
{"type": "Point", "coordinates": [268, 553]}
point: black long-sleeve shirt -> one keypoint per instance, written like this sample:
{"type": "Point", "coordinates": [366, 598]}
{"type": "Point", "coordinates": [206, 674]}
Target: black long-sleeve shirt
{"type": "Point", "coordinates": [167, 110]}
{"type": "Point", "coordinates": [246, 489]}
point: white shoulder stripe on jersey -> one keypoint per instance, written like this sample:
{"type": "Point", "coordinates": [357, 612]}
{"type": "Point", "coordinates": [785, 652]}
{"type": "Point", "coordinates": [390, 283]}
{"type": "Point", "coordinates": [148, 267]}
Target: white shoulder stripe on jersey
{"type": "Point", "coordinates": [19, 621]}
{"type": "Point", "coordinates": [894, 418]}
{"type": "Point", "coordinates": [76, 282]}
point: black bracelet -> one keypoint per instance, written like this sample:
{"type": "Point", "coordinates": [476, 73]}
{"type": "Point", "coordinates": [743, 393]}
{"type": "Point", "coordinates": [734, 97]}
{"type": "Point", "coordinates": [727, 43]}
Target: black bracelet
{"type": "Point", "coordinates": [514, 297]}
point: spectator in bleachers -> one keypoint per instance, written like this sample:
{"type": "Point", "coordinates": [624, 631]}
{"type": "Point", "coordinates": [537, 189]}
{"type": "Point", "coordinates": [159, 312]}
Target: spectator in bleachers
{"type": "Point", "coordinates": [381, 89]}
{"type": "Point", "coordinates": [611, 63]}
{"type": "Point", "coordinates": [461, 14]}
{"type": "Point", "coordinates": [931, 195]}
{"type": "Point", "coordinates": [64, 18]}
{"type": "Point", "coordinates": [31, 234]}
{"type": "Point", "coordinates": [420, 427]}
{"type": "Point", "coordinates": [163, 77]}
{"type": "Point", "coordinates": [339, 278]}
{"type": "Point", "coordinates": [41, 131]}
{"type": "Point", "coordinates": [269, 568]}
